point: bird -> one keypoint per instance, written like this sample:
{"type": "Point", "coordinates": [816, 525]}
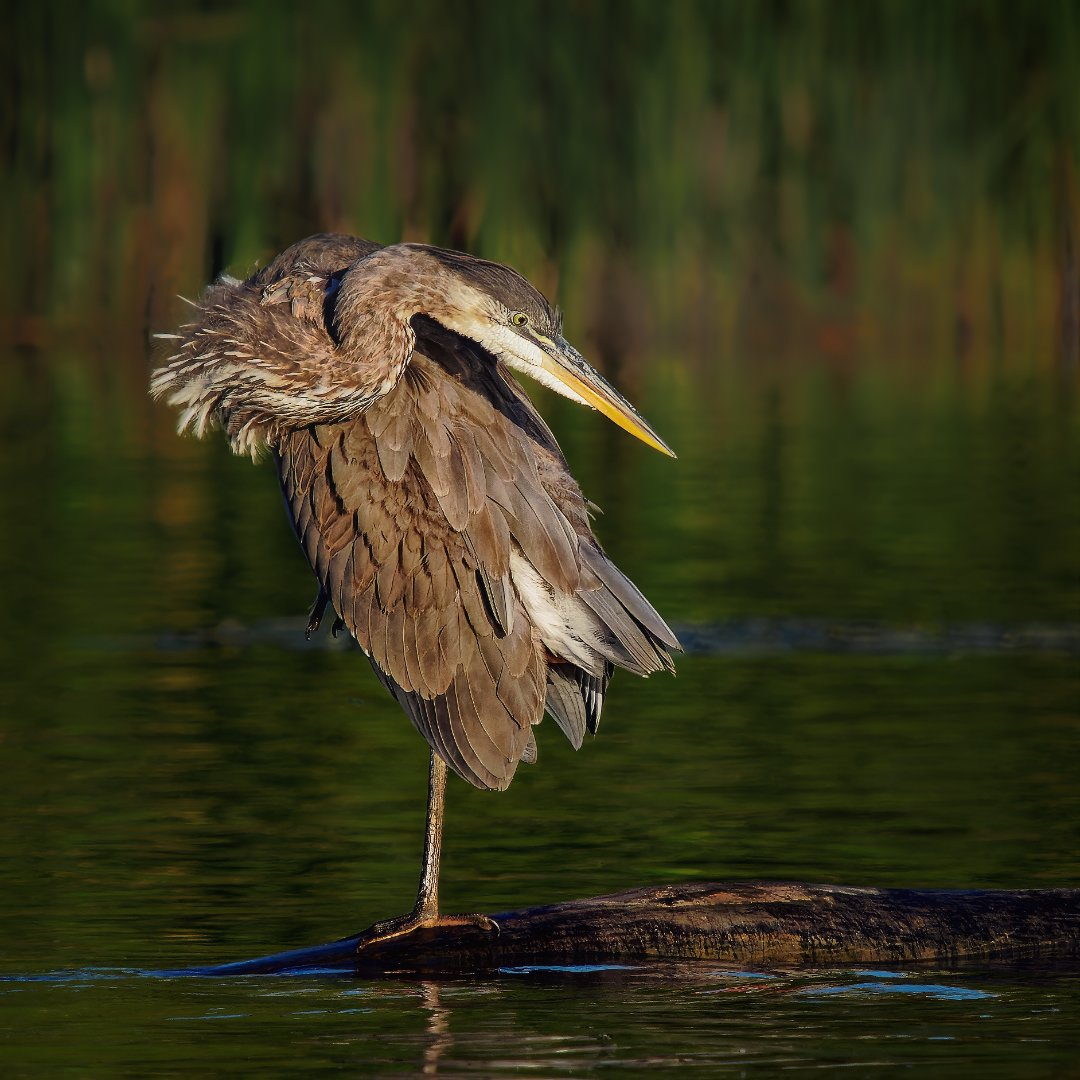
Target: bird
{"type": "Point", "coordinates": [432, 501]}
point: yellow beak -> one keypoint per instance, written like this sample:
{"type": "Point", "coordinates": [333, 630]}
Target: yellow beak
{"type": "Point", "coordinates": [564, 363]}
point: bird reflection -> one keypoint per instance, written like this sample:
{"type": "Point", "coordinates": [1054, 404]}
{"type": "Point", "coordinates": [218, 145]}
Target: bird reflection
{"type": "Point", "coordinates": [438, 1028]}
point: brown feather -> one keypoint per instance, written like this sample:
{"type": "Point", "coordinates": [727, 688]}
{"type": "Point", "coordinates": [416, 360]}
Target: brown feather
{"type": "Point", "coordinates": [411, 654]}
{"type": "Point", "coordinates": [393, 651]}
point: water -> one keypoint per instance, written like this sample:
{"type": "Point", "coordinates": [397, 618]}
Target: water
{"type": "Point", "coordinates": [824, 262]}
{"type": "Point", "coordinates": [186, 781]}
{"type": "Point", "coordinates": [549, 1023]}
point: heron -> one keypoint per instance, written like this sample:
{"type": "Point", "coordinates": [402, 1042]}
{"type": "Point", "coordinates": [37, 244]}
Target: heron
{"type": "Point", "coordinates": [432, 501]}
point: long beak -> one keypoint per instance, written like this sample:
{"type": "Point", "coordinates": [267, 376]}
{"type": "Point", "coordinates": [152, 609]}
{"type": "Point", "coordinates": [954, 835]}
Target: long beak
{"type": "Point", "coordinates": [565, 364]}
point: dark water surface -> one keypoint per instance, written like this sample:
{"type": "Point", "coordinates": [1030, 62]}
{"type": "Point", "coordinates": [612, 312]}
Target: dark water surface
{"type": "Point", "coordinates": [550, 1023]}
{"type": "Point", "coordinates": [878, 594]}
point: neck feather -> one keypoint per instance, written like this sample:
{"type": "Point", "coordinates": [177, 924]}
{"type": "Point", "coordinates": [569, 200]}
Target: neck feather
{"type": "Point", "coordinates": [380, 294]}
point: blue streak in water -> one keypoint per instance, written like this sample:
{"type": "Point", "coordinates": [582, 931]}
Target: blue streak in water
{"type": "Point", "coordinates": [930, 990]}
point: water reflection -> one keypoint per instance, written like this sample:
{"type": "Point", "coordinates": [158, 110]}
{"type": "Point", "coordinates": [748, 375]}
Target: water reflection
{"type": "Point", "coordinates": [438, 1028]}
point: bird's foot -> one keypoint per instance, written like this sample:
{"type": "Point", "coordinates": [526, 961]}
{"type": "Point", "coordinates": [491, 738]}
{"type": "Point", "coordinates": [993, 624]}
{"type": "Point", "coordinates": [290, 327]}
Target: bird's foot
{"type": "Point", "coordinates": [315, 617]}
{"type": "Point", "coordinates": [316, 614]}
{"type": "Point", "coordinates": [306, 292]}
{"type": "Point", "coordinates": [418, 922]}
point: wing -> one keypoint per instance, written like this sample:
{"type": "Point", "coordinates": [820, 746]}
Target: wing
{"type": "Point", "coordinates": [456, 548]}
{"type": "Point", "coordinates": [392, 512]}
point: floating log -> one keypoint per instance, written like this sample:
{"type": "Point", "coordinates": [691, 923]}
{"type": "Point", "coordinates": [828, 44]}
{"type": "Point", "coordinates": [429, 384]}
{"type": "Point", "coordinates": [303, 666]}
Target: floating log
{"type": "Point", "coordinates": [757, 924]}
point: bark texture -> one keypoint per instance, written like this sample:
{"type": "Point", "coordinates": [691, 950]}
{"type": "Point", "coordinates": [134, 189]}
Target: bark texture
{"type": "Point", "coordinates": [751, 923]}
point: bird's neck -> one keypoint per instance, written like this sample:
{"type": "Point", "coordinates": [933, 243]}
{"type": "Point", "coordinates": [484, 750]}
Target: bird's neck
{"type": "Point", "coordinates": [374, 308]}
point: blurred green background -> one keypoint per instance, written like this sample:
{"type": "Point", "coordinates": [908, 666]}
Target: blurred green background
{"type": "Point", "coordinates": [716, 178]}
{"type": "Point", "coordinates": [830, 249]}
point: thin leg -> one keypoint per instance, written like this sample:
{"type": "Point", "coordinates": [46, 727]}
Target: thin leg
{"type": "Point", "coordinates": [427, 896]}
{"type": "Point", "coordinates": [425, 912]}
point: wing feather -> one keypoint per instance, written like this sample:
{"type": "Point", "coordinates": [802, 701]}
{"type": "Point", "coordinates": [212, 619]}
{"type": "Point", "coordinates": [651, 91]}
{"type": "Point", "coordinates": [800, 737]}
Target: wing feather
{"type": "Point", "coordinates": [565, 704]}
{"type": "Point", "coordinates": [624, 641]}
{"type": "Point", "coordinates": [629, 596]}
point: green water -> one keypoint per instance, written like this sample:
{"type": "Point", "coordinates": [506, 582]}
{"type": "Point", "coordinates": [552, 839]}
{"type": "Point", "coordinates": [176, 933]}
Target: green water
{"type": "Point", "coordinates": [881, 688]}
{"type": "Point", "coordinates": [550, 1024]}
{"type": "Point", "coordinates": [826, 249]}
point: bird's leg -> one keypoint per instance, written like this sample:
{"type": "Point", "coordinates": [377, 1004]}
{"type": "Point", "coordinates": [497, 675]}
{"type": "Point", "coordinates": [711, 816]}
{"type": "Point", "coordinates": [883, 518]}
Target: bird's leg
{"type": "Point", "coordinates": [425, 912]}
{"type": "Point", "coordinates": [427, 894]}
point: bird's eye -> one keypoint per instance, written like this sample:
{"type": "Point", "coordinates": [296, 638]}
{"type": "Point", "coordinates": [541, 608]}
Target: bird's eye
{"type": "Point", "coordinates": [519, 318]}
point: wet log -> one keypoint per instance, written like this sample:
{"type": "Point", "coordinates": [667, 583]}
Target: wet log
{"type": "Point", "coordinates": [756, 924]}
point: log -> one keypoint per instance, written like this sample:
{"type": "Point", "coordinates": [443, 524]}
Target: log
{"type": "Point", "coordinates": [754, 924]}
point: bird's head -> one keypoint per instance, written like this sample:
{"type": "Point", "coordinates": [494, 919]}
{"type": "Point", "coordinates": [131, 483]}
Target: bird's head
{"type": "Point", "coordinates": [496, 307]}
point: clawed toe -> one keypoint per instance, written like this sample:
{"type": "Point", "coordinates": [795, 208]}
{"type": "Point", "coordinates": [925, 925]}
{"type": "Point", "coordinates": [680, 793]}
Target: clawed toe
{"type": "Point", "coordinates": [316, 614]}
{"type": "Point", "coordinates": [393, 929]}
